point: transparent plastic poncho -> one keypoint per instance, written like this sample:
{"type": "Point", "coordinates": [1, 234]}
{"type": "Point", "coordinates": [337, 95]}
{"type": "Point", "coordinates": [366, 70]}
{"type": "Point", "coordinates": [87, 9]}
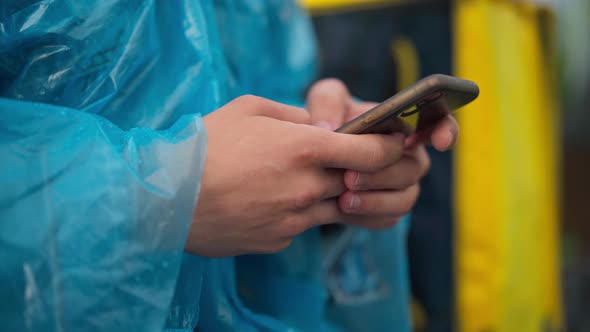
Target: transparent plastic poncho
{"type": "Point", "coordinates": [102, 147]}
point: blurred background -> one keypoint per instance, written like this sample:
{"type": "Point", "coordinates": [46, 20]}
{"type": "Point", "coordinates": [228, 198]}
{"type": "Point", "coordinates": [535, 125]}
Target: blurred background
{"type": "Point", "coordinates": [500, 238]}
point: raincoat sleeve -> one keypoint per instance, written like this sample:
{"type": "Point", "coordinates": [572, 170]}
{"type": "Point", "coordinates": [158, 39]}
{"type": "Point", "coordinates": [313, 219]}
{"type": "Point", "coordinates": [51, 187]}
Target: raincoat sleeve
{"type": "Point", "coordinates": [100, 159]}
{"type": "Point", "coordinates": [93, 219]}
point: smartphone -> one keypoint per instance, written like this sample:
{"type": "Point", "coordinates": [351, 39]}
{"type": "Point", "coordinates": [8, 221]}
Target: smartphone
{"type": "Point", "coordinates": [415, 108]}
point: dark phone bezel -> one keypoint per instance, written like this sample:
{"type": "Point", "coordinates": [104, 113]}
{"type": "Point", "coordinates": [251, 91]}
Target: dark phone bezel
{"type": "Point", "coordinates": [456, 92]}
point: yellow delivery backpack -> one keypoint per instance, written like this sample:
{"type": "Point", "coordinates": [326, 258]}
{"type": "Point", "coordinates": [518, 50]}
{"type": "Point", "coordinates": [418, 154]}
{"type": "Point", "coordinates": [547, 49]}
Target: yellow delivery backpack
{"type": "Point", "coordinates": [506, 168]}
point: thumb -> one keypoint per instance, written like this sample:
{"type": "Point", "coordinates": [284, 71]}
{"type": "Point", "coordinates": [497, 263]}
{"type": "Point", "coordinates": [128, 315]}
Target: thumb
{"type": "Point", "coordinates": [328, 103]}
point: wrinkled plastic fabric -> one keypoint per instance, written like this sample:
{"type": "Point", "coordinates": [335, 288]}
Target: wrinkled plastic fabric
{"type": "Point", "coordinates": [93, 219]}
{"type": "Point", "coordinates": [102, 148]}
{"type": "Point", "coordinates": [96, 202]}
{"type": "Point", "coordinates": [292, 285]}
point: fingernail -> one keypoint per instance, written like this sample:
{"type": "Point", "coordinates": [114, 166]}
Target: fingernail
{"type": "Point", "coordinates": [355, 203]}
{"type": "Point", "coordinates": [325, 124]}
{"type": "Point", "coordinates": [449, 141]}
{"type": "Point", "coordinates": [358, 180]}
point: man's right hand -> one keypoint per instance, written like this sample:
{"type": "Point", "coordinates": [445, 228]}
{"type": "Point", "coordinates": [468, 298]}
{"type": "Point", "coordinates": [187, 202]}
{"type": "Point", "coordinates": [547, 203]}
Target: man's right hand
{"type": "Point", "coordinates": [269, 175]}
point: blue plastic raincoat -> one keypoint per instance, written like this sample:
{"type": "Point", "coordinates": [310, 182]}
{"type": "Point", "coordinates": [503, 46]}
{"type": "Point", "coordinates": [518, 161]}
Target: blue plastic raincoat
{"type": "Point", "coordinates": [102, 148]}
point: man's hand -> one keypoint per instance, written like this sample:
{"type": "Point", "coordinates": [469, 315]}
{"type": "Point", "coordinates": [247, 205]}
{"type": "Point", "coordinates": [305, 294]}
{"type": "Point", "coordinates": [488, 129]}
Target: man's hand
{"type": "Point", "coordinates": [377, 199]}
{"type": "Point", "coordinates": [269, 175]}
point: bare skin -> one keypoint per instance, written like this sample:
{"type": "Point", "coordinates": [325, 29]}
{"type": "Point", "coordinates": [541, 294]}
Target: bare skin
{"type": "Point", "coordinates": [389, 193]}
{"type": "Point", "coordinates": [270, 175]}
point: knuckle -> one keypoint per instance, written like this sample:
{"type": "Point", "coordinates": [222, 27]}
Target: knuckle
{"type": "Point", "coordinates": [404, 209]}
{"type": "Point", "coordinates": [291, 226]}
{"type": "Point", "coordinates": [425, 163]}
{"type": "Point", "coordinates": [249, 99]}
{"type": "Point", "coordinates": [305, 198]}
{"type": "Point", "coordinates": [397, 153]}
{"type": "Point", "coordinates": [390, 222]}
{"type": "Point", "coordinates": [305, 154]}
{"type": "Point", "coordinates": [306, 118]}
{"type": "Point", "coordinates": [407, 204]}
{"type": "Point", "coordinates": [416, 192]}
{"type": "Point", "coordinates": [276, 246]}
{"type": "Point", "coordinates": [248, 103]}
{"type": "Point", "coordinates": [282, 245]}
{"type": "Point", "coordinates": [419, 165]}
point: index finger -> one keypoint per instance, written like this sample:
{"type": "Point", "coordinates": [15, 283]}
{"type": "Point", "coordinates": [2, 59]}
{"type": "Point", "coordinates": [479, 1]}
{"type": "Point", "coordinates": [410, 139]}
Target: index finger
{"type": "Point", "coordinates": [442, 136]}
{"type": "Point", "coordinates": [362, 153]}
